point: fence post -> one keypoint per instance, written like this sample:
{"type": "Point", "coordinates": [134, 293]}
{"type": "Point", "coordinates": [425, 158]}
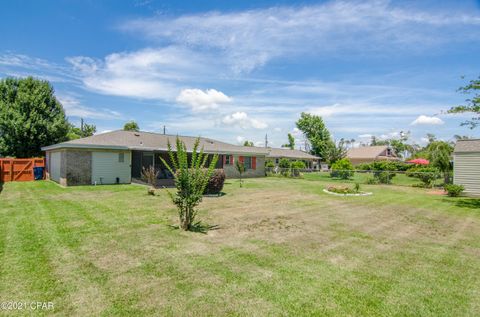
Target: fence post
{"type": "Point", "coordinates": [11, 170]}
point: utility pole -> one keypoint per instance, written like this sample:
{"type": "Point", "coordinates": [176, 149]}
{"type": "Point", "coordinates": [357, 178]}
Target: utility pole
{"type": "Point", "coordinates": [266, 140]}
{"type": "Point", "coordinates": [163, 129]}
{"type": "Point", "coordinates": [81, 124]}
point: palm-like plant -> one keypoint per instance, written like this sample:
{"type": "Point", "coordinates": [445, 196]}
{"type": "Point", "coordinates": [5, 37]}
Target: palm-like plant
{"type": "Point", "coordinates": [191, 178]}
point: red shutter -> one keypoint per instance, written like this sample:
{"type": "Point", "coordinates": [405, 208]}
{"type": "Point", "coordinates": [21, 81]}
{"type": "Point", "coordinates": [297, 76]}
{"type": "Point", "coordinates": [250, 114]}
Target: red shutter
{"type": "Point", "coordinates": [231, 159]}
{"type": "Point", "coordinates": [254, 162]}
{"type": "Point", "coordinates": [240, 159]}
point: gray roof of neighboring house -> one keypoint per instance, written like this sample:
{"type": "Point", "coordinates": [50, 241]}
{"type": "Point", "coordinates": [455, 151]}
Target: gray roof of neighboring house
{"type": "Point", "coordinates": [471, 145]}
{"type": "Point", "coordinates": [130, 140]}
{"type": "Point", "coordinates": [367, 151]}
{"type": "Point", "coordinates": [289, 153]}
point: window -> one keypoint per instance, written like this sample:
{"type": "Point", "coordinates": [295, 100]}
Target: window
{"type": "Point", "coordinates": [121, 157]}
{"type": "Point", "coordinates": [227, 159]}
{"type": "Point", "coordinates": [247, 162]}
{"type": "Point", "coordinates": [277, 160]}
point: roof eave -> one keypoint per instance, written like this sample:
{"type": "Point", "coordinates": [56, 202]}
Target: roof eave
{"type": "Point", "coordinates": [82, 146]}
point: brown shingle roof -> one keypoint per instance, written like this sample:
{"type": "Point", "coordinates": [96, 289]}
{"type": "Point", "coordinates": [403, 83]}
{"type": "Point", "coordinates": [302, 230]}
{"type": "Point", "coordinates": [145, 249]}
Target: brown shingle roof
{"type": "Point", "coordinates": [366, 152]}
{"type": "Point", "coordinates": [472, 145]}
{"type": "Point", "coordinates": [121, 139]}
{"type": "Point", "coordinates": [288, 153]}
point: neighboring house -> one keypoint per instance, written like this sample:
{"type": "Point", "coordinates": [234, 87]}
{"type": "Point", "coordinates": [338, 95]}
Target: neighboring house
{"type": "Point", "coordinates": [276, 155]}
{"type": "Point", "coordinates": [368, 154]}
{"type": "Point", "coordinates": [119, 156]}
{"type": "Point", "coordinates": [466, 165]}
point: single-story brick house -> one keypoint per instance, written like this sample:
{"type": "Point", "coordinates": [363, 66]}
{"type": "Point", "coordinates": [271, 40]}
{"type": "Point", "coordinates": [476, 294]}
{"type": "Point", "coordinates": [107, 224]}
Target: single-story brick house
{"type": "Point", "coordinates": [117, 157]}
{"type": "Point", "coordinates": [368, 154]}
{"type": "Point", "coordinates": [466, 165]}
{"type": "Point", "coordinates": [276, 155]}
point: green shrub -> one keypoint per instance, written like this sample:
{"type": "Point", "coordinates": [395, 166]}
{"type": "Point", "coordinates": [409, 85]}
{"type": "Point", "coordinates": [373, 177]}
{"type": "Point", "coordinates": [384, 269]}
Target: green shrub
{"type": "Point", "coordinates": [284, 166]}
{"type": "Point", "coordinates": [296, 166]}
{"type": "Point", "coordinates": [215, 183]}
{"type": "Point", "coordinates": [383, 171]}
{"type": "Point", "coordinates": [454, 190]}
{"type": "Point", "coordinates": [269, 164]}
{"type": "Point", "coordinates": [372, 181]}
{"type": "Point", "coordinates": [363, 167]}
{"type": "Point", "coordinates": [383, 177]}
{"type": "Point", "coordinates": [383, 166]}
{"type": "Point", "coordinates": [342, 169]}
{"type": "Point", "coordinates": [284, 163]}
{"type": "Point", "coordinates": [426, 174]}
{"type": "Point", "coordinates": [401, 166]}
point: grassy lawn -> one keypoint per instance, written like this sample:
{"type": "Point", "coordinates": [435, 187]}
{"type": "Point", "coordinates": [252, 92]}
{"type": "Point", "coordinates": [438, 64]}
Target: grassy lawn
{"type": "Point", "coordinates": [283, 247]}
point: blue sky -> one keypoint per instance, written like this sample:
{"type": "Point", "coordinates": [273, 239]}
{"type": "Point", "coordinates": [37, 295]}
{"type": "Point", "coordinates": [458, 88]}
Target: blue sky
{"type": "Point", "coordinates": [236, 70]}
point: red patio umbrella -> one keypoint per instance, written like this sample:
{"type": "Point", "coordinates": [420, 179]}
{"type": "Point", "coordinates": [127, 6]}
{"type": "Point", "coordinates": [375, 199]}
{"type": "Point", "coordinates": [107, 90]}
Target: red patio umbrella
{"type": "Point", "coordinates": [419, 161]}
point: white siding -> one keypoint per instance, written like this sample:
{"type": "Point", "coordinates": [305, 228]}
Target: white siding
{"type": "Point", "coordinates": [55, 165]}
{"type": "Point", "coordinates": [467, 172]}
{"type": "Point", "coordinates": [106, 168]}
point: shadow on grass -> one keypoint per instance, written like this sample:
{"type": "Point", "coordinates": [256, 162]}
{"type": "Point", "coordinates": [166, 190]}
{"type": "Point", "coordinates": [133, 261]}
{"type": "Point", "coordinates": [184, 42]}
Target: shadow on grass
{"type": "Point", "coordinates": [468, 203]}
{"type": "Point", "coordinates": [473, 203]}
{"type": "Point", "coordinates": [198, 227]}
{"type": "Point", "coordinates": [221, 194]}
{"type": "Point", "coordinates": [1, 187]}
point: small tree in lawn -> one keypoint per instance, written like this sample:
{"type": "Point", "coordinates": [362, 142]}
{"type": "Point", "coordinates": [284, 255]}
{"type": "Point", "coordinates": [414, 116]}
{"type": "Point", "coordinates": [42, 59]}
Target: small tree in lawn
{"type": "Point", "coordinates": [149, 175]}
{"type": "Point", "coordinates": [240, 169]}
{"type": "Point", "coordinates": [191, 178]}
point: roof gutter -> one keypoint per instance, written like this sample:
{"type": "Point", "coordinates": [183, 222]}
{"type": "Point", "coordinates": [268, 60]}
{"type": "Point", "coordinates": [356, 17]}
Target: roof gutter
{"type": "Point", "coordinates": [82, 146]}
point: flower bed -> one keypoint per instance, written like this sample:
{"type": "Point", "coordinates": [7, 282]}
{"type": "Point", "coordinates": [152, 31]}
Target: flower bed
{"type": "Point", "coordinates": [345, 191]}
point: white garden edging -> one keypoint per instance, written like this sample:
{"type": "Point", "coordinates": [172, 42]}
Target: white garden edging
{"type": "Point", "coordinates": [337, 194]}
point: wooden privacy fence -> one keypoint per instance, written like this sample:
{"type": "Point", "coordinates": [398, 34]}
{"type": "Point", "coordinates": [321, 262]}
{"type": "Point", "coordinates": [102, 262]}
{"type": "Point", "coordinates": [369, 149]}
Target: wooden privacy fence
{"type": "Point", "coordinates": [19, 170]}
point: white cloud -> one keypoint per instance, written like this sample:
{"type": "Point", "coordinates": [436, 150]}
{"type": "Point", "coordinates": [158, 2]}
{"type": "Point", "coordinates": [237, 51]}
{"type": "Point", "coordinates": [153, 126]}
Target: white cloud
{"type": "Point", "coordinates": [200, 100]}
{"type": "Point", "coordinates": [240, 139]}
{"type": "Point", "coordinates": [242, 120]}
{"type": "Point", "coordinates": [249, 39]}
{"type": "Point", "coordinates": [74, 108]}
{"type": "Point", "coordinates": [426, 120]}
{"type": "Point", "coordinates": [144, 74]}
{"type": "Point", "coordinates": [277, 129]}
{"type": "Point", "coordinates": [296, 132]}
{"type": "Point", "coordinates": [363, 108]}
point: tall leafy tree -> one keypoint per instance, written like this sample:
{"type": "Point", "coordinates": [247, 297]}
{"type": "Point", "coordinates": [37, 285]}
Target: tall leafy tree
{"type": "Point", "coordinates": [247, 143]}
{"type": "Point", "coordinates": [30, 117]}
{"type": "Point", "coordinates": [440, 155]}
{"type": "Point", "coordinates": [337, 152]}
{"type": "Point", "coordinates": [472, 104]}
{"type": "Point", "coordinates": [131, 126]}
{"type": "Point", "coordinates": [291, 142]}
{"type": "Point", "coordinates": [316, 133]}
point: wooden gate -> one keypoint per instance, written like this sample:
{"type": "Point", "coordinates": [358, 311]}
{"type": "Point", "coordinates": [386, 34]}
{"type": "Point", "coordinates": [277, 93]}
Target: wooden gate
{"type": "Point", "coordinates": [19, 170]}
